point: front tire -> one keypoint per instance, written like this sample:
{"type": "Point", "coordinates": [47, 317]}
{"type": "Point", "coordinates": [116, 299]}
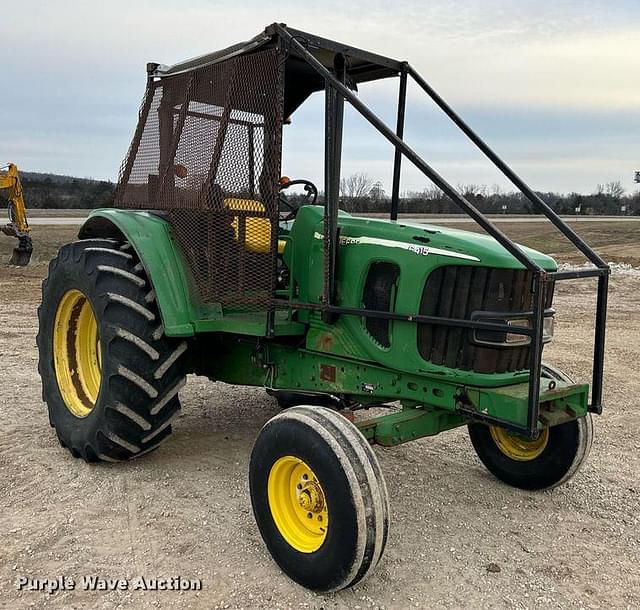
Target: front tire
{"type": "Point", "coordinates": [110, 377]}
{"type": "Point", "coordinates": [543, 463]}
{"type": "Point", "coordinates": [319, 498]}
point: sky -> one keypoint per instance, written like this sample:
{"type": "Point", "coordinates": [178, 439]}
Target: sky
{"type": "Point", "coordinates": [552, 86]}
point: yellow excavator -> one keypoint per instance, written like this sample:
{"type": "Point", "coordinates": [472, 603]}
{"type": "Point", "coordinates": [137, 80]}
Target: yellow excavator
{"type": "Point", "coordinates": [17, 225]}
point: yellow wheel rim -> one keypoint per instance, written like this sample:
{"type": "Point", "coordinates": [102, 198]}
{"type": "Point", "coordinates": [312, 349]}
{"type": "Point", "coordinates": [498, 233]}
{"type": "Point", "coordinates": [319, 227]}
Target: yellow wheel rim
{"type": "Point", "coordinates": [76, 353]}
{"type": "Point", "coordinates": [517, 447]}
{"type": "Point", "coordinates": [298, 505]}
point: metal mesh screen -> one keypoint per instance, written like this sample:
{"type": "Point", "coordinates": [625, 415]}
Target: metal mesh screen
{"type": "Point", "coordinates": [207, 150]}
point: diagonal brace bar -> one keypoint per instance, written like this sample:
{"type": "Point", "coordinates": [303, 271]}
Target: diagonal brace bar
{"type": "Point", "coordinates": [424, 167]}
{"type": "Point", "coordinates": [562, 226]}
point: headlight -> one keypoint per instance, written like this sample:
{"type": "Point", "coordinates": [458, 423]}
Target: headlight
{"type": "Point", "coordinates": [513, 339]}
{"type": "Point", "coordinates": [497, 339]}
{"type": "Point", "coordinates": [547, 331]}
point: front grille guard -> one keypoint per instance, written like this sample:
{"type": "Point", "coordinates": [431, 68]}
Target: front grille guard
{"type": "Point", "coordinates": [470, 292]}
{"type": "Point", "coordinates": [336, 92]}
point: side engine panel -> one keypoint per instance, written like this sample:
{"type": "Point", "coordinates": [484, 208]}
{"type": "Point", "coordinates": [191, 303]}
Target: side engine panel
{"type": "Point", "coordinates": [415, 270]}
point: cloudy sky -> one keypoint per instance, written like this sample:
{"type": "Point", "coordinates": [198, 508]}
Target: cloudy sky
{"type": "Point", "coordinates": [553, 86]}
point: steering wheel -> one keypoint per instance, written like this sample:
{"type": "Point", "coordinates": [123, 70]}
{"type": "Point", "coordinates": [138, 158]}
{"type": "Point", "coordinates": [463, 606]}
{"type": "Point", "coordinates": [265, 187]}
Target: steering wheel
{"type": "Point", "coordinates": [311, 195]}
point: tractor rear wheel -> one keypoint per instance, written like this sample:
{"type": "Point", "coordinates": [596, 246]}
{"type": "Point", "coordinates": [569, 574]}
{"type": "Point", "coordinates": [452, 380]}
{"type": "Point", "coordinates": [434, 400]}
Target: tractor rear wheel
{"type": "Point", "coordinates": [542, 463]}
{"type": "Point", "coordinates": [319, 498]}
{"type": "Point", "coordinates": [110, 377]}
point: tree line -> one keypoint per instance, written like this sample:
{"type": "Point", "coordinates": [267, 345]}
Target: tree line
{"type": "Point", "coordinates": [361, 193]}
{"type": "Point", "coordinates": [65, 192]}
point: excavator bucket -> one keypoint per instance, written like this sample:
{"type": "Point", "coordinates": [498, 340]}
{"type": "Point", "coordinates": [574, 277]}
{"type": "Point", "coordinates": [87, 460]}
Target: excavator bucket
{"type": "Point", "coordinates": [22, 252]}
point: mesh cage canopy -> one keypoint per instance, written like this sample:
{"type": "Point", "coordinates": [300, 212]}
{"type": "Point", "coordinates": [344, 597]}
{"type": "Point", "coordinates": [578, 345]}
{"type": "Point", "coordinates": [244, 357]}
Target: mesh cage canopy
{"type": "Point", "coordinates": [207, 151]}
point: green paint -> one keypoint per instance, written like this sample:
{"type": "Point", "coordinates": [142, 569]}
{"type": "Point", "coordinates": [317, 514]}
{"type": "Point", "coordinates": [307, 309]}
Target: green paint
{"type": "Point", "coordinates": [278, 367]}
{"type": "Point", "coordinates": [510, 402]}
{"type": "Point", "coordinates": [342, 358]}
{"type": "Point", "coordinates": [151, 238]}
{"type": "Point", "coordinates": [556, 407]}
{"type": "Point", "coordinates": [183, 314]}
{"type": "Point", "coordinates": [408, 425]}
{"type": "Point", "coordinates": [348, 336]}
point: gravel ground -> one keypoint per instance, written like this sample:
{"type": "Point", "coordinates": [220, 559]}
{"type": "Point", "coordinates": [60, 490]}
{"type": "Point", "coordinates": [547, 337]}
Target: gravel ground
{"type": "Point", "coordinates": [459, 538]}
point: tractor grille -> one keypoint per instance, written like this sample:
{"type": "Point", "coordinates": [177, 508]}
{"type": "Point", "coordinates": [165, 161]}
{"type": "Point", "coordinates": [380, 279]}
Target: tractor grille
{"type": "Point", "coordinates": [458, 292]}
{"type": "Point", "coordinates": [207, 152]}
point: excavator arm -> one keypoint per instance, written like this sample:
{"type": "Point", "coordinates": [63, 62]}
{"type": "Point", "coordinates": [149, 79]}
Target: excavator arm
{"type": "Point", "coordinates": [17, 226]}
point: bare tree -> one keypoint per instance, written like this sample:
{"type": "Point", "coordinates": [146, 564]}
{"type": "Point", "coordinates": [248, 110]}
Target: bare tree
{"type": "Point", "coordinates": [376, 192]}
{"type": "Point", "coordinates": [356, 186]}
{"type": "Point", "coordinates": [614, 189]}
{"type": "Point", "coordinates": [432, 193]}
{"type": "Point", "coordinates": [476, 191]}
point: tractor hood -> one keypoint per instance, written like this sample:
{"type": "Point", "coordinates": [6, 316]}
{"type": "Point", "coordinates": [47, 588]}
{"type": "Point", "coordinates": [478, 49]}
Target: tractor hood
{"type": "Point", "coordinates": [446, 242]}
{"type": "Point", "coordinates": [462, 247]}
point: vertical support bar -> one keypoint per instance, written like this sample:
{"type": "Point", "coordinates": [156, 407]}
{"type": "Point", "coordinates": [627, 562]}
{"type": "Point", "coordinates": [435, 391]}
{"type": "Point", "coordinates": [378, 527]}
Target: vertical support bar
{"type": "Point", "coordinates": [535, 355]}
{"type": "Point", "coordinates": [167, 179]}
{"type": "Point", "coordinates": [397, 159]}
{"type": "Point", "coordinates": [137, 136]}
{"type": "Point", "coordinates": [252, 160]}
{"type": "Point", "coordinates": [339, 66]}
{"type": "Point", "coordinates": [334, 114]}
{"type": "Point", "coordinates": [273, 121]}
{"type": "Point", "coordinates": [242, 248]}
{"type": "Point", "coordinates": [598, 347]}
{"type": "Point", "coordinates": [329, 135]}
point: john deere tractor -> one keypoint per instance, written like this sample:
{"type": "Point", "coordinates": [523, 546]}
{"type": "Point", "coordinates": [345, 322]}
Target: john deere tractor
{"type": "Point", "coordinates": [206, 266]}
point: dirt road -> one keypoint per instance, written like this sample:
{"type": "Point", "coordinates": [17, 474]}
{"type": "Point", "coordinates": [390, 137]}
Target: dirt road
{"type": "Point", "coordinates": [184, 510]}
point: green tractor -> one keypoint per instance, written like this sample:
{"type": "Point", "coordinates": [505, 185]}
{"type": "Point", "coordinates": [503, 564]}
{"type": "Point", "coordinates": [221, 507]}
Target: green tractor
{"type": "Point", "coordinates": [205, 266]}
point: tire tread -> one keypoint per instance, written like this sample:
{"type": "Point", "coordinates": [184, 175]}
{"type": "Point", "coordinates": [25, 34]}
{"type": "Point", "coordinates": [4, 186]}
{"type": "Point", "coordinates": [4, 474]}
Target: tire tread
{"type": "Point", "coordinates": [128, 423]}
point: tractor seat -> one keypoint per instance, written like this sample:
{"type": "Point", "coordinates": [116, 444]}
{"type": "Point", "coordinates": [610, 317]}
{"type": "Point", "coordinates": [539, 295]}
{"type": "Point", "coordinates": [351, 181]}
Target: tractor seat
{"type": "Point", "coordinates": [257, 233]}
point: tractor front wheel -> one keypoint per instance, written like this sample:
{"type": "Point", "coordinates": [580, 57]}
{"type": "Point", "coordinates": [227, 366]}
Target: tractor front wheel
{"type": "Point", "coordinates": [319, 498]}
{"type": "Point", "coordinates": [547, 461]}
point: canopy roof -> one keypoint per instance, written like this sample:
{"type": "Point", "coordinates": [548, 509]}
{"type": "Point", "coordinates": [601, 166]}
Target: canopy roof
{"type": "Point", "coordinates": [300, 78]}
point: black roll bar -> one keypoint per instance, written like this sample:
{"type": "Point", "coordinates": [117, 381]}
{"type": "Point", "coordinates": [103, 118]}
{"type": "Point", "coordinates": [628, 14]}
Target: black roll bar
{"type": "Point", "coordinates": [397, 158]}
{"type": "Point", "coordinates": [540, 205]}
{"type": "Point", "coordinates": [336, 92]}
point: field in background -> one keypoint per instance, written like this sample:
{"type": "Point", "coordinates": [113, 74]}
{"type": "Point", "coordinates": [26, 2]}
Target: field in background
{"type": "Point", "coordinates": [617, 242]}
{"type": "Point", "coordinates": [458, 537]}
{"type": "Point", "coordinates": [46, 241]}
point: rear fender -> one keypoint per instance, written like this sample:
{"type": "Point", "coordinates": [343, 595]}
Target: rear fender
{"type": "Point", "coordinates": [166, 268]}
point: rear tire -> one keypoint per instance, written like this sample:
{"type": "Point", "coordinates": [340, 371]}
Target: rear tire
{"type": "Point", "coordinates": [125, 406]}
{"type": "Point", "coordinates": [335, 537]}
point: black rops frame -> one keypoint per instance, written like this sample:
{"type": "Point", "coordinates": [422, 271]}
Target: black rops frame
{"type": "Point", "coordinates": [336, 92]}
